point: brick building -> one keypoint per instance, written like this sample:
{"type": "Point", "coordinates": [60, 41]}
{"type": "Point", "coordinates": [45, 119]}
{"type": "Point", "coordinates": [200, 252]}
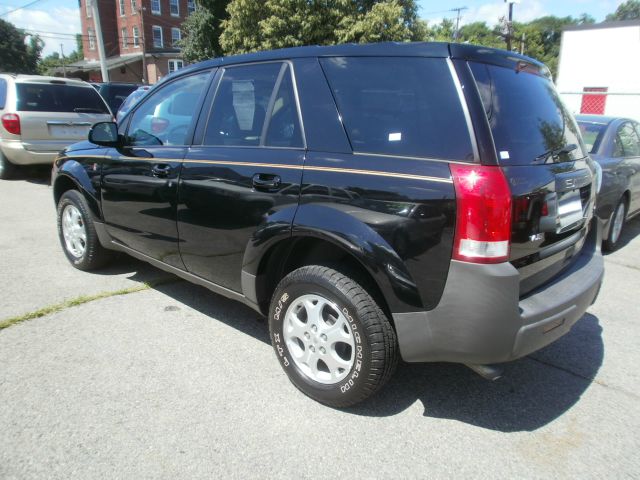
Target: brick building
{"type": "Point", "coordinates": [131, 29]}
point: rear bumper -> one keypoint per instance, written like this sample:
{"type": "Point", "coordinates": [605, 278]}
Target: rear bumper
{"type": "Point", "coordinates": [17, 154]}
{"type": "Point", "coordinates": [481, 320]}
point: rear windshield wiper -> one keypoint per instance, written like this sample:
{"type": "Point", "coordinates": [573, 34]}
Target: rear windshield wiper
{"type": "Point", "coordinates": [88, 110]}
{"type": "Point", "coordinates": [555, 153]}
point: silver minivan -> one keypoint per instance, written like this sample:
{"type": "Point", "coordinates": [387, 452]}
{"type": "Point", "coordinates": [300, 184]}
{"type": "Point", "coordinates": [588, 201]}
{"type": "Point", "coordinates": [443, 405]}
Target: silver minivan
{"type": "Point", "coordinates": [39, 116]}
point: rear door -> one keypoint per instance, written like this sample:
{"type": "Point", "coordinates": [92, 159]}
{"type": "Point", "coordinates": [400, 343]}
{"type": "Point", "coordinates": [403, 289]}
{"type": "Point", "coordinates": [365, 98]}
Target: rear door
{"type": "Point", "coordinates": [56, 113]}
{"type": "Point", "coordinates": [627, 147]}
{"type": "Point", "coordinates": [140, 180]}
{"type": "Point", "coordinates": [247, 167]}
{"type": "Point", "coordinates": [541, 152]}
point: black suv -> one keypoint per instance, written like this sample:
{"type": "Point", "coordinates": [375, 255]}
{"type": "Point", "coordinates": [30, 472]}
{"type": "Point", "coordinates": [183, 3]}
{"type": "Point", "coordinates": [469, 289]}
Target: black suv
{"type": "Point", "coordinates": [429, 200]}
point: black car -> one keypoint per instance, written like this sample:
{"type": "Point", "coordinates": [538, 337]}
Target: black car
{"type": "Point", "coordinates": [114, 93]}
{"type": "Point", "coordinates": [614, 143]}
{"type": "Point", "coordinates": [427, 200]}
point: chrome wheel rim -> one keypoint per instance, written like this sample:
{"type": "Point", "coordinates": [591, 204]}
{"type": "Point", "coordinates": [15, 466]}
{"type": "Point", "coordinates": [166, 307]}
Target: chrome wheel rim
{"type": "Point", "coordinates": [319, 339]}
{"type": "Point", "coordinates": [74, 231]}
{"type": "Point", "coordinates": [618, 221]}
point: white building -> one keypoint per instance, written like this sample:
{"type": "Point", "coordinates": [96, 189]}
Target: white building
{"type": "Point", "coordinates": [603, 59]}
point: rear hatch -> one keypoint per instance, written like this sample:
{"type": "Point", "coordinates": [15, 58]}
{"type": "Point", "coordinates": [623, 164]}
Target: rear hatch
{"type": "Point", "coordinates": [544, 160]}
{"type": "Point", "coordinates": [56, 113]}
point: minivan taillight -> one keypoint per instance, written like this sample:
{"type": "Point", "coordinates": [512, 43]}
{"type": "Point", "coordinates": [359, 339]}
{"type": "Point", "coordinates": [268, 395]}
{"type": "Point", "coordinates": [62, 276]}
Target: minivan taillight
{"type": "Point", "coordinates": [11, 123]}
{"type": "Point", "coordinates": [483, 218]}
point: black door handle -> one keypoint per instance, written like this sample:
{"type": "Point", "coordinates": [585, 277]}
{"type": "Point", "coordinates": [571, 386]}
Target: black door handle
{"type": "Point", "coordinates": [161, 170]}
{"type": "Point", "coordinates": [264, 181]}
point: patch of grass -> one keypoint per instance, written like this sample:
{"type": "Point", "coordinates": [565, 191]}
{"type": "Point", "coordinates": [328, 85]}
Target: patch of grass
{"type": "Point", "coordinates": [74, 302]}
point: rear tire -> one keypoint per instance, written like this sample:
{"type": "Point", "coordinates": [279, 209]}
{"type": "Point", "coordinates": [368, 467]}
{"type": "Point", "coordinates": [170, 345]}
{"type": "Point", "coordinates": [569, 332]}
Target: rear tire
{"type": "Point", "coordinates": [7, 169]}
{"type": "Point", "coordinates": [617, 226]}
{"type": "Point", "coordinates": [331, 338]}
{"type": "Point", "coordinates": [77, 233]}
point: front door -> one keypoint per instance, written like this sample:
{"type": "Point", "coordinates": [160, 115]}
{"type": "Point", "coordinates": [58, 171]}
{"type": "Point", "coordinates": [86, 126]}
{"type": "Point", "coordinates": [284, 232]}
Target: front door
{"type": "Point", "coordinates": [140, 180]}
{"type": "Point", "coordinates": [246, 170]}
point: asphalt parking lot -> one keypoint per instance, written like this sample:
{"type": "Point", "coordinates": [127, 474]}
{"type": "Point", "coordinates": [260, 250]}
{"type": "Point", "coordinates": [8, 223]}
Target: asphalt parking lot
{"type": "Point", "coordinates": [173, 381]}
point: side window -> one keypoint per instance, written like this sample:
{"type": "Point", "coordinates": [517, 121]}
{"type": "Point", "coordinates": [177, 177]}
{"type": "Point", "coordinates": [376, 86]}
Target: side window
{"type": "Point", "coordinates": [249, 98]}
{"type": "Point", "coordinates": [399, 106]}
{"type": "Point", "coordinates": [3, 92]}
{"type": "Point", "coordinates": [627, 143]}
{"type": "Point", "coordinates": [164, 117]}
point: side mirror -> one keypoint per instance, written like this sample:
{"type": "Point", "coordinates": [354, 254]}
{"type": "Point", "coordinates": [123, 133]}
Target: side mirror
{"type": "Point", "coordinates": [105, 134]}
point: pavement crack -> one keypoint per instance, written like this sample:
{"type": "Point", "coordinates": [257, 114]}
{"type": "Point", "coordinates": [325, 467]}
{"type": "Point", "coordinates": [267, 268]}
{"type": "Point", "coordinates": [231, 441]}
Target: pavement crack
{"type": "Point", "coordinates": [74, 302]}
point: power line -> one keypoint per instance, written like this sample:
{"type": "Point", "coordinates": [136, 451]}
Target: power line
{"type": "Point", "coordinates": [20, 8]}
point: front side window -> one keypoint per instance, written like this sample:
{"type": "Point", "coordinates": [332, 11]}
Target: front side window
{"type": "Point", "coordinates": [174, 8]}
{"type": "Point", "coordinates": [125, 39]}
{"type": "Point", "coordinates": [164, 117]}
{"type": "Point", "coordinates": [627, 143]}
{"type": "Point", "coordinates": [175, 36]}
{"type": "Point", "coordinates": [175, 65]}
{"type": "Point", "coordinates": [400, 106]}
{"type": "Point", "coordinates": [155, 7]}
{"type": "Point", "coordinates": [157, 37]}
{"type": "Point", "coordinates": [239, 110]}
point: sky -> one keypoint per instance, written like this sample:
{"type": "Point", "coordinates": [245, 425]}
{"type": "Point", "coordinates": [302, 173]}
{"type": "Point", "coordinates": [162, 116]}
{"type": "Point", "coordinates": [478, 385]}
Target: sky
{"type": "Point", "coordinates": [57, 20]}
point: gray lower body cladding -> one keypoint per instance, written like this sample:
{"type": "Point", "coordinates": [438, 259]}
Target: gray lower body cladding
{"type": "Point", "coordinates": [481, 319]}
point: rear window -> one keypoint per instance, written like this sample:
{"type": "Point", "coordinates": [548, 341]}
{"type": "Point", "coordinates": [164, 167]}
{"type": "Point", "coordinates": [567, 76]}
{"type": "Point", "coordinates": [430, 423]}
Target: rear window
{"type": "Point", "coordinates": [400, 106]}
{"type": "Point", "coordinates": [37, 97]}
{"type": "Point", "coordinates": [528, 120]}
{"type": "Point", "coordinates": [116, 94]}
{"type": "Point", "coordinates": [592, 134]}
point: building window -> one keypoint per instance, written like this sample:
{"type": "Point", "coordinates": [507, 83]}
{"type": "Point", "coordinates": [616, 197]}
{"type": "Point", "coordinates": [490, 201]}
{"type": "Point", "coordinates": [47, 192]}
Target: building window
{"type": "Point", "coordinates": [92, 39]}
{"type": "Point", "coordinates": [125, 40]}
{"type": "Point", "coordinates": [157, 37]}
{"type": "Point", "coordinates": [134, 7]}
{"type": "Point", "coordinates": [174, 8]}
{"type": "Point", "coordinates": [88, 9]}
{"type": "Point", "coordinates": [175, 65]}
{"type": "Point", "coordinates": [122, 13]}
{"type": "Point", "coordinates": [136, 37]}
{"type": "Point", "coordinates": [191, 6]}
{"type": "Point", "coordinates": [155, 7]}
{"type": "Point", "coordinates": [175, 37]}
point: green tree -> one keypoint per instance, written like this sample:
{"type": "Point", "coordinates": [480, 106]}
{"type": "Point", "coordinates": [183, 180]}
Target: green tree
{"type": "Point", "coordinates": [442, 32]}
{"type": "Point", "coordinates": [16, 55]}
{"type": "Point", "coordinates": [272, 24]}
{"type": "Point", "coordinates": [201, 31]}
{"type": "Point", "coordinates": [49, 64]}
{"type": "Point", "coordinates": [479, 33]}
{"type": "Point", "coordinates": [629, 10]}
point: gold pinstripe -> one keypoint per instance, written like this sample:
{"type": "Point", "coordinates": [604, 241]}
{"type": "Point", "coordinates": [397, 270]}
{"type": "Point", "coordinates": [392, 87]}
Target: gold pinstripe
{"type": "Point", "coordinates": [285, 166]}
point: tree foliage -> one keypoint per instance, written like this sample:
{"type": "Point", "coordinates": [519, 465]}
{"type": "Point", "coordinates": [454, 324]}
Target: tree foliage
{"type": "Point", "coordinates": [202, 29]}
{"type": "Point", "coordinates": [629, 10]}
{"type": "Point", "coordinates": [273, 24]}
{"type": "Point", "coordinates": [53, 61]}
{"type": "Point", "coordinates": [16, 56]}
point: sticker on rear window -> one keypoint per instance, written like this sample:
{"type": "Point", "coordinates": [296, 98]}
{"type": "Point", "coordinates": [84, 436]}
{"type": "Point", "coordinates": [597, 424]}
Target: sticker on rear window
{"type": "Point", "coordinates": [395, 137]}
{"type": "Point", "coordinates": [504, 155]}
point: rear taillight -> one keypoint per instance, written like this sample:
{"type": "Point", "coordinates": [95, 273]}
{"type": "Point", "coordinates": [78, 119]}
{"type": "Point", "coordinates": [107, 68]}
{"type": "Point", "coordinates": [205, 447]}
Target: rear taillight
{"type": "Point", "coordinates": [483, 219]}
{"type": "Point", "coordinates": [11, 123]}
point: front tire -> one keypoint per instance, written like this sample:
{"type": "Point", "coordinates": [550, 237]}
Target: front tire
{"type": "Point", "coordinates": [77, 233]}
{"type": "Point", "coordinates": [617, 224]}
{"type": "Point", "coordinates": [331, 338]}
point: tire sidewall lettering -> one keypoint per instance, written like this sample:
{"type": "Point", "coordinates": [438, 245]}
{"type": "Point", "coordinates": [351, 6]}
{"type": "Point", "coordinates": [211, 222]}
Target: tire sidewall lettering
{"type": "Point", "coordinates": [278, 344]}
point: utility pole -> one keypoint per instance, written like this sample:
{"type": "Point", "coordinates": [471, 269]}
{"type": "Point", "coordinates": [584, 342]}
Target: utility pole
{"type": "Point", "coordinates": [96, 23]}
{"type": "Point", "coordinates": [510, 22]}
{"type": "Point", "coordinates": [456, 34]}
{"type": "Point", "coordinates": [141, 11]}
{"type": "Point", "coordinates": [64, 68]}
{"type": "Point", "coordinates": [522, 39]}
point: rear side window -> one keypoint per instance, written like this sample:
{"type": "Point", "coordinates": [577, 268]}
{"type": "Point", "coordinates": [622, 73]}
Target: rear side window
{"type": "Point", "coordinates": [527, 118]}
{"type": "Point", "coordinates": [38, 97]}
{"type": "Point", "coordinates": [3, 92]}
{"type": "Point", "coordinates": [399, 106]}
{"type": "Point", "coordinates": [255, 106]}
{"type": "Point", "coordinates": [627, 143]}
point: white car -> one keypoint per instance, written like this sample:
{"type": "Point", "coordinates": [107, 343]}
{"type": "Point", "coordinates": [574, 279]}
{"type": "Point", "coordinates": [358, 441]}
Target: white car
{"type": "Point", "coordinates": [40, 116]}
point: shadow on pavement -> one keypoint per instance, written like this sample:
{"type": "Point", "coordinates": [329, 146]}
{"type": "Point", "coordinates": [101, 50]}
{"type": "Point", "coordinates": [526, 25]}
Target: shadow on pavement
{"type": "Point", "coordinates": [533, 391]}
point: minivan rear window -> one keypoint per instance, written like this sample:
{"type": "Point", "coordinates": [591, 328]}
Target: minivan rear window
{"type": "Point", "coordinates": [527, 118]}
{"type": "Point", "coordinates": [43, 97]}
{"type": "Point", "coordinates": [404, 106]}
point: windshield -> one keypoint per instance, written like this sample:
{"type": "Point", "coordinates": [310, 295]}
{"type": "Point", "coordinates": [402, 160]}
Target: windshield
{"type": "Point", "coordinates": [592, 134]}
{"type": "Point", "coordinates": [528, 120]}
{"type": "Point", "coordinates": [44, 97]}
